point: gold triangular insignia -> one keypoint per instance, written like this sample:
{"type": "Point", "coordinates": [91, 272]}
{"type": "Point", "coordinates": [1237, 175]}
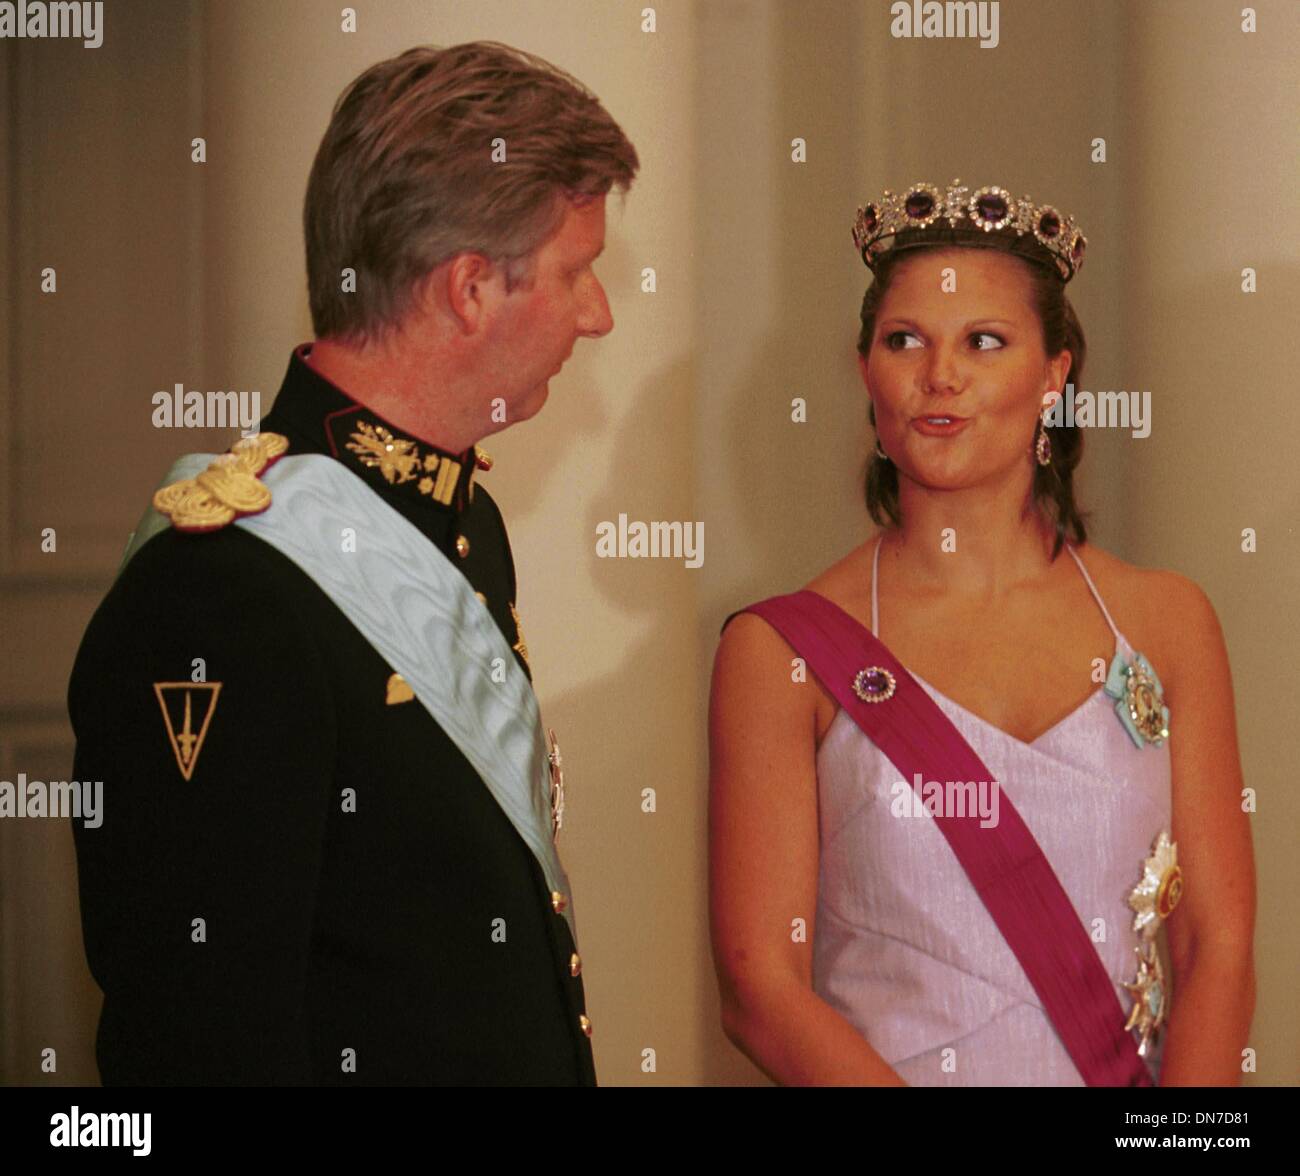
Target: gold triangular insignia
{"type": "Point", "coordinates": [399, 690]}
{"type": "Point", "coordinates": [186, 745]}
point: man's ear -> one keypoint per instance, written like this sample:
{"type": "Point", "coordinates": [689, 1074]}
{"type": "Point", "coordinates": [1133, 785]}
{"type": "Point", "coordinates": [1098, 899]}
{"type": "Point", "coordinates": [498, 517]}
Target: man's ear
{"type": "Point", "coordinates": [465, 281]}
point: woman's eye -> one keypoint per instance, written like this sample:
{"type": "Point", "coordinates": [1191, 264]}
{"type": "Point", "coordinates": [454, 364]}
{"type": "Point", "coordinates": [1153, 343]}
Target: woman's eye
{"type": "Point", "coordinates": [893, 336]}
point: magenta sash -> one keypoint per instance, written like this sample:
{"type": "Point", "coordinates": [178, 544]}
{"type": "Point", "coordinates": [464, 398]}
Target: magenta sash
{"type": "Point", "coordinates": [1005, 864]}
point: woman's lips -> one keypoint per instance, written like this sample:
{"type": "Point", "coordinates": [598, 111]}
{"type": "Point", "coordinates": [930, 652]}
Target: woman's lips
{"type": "Point", "coordinates": [940, 425]}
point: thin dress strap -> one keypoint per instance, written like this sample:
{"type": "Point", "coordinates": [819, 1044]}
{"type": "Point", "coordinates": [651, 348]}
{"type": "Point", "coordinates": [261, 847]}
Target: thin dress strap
{"type": "Point", "coordinates": [875, 568]}
{"type": "Point", "coordinates": [1101, 604]}
{"type": "Point", "coordinates": [875, 600]}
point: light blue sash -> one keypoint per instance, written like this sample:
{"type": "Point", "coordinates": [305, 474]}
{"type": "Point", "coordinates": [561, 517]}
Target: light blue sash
{"type": "Point", "coordinates": [420, 613]}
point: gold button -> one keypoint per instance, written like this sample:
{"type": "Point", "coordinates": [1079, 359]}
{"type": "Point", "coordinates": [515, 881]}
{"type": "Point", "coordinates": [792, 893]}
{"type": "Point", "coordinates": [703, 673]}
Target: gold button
{"type": "Point", "coordinates": [585, 1023]}
{"type": "Point", "coordinates": [575, 964]}
{"type": "Point", "coordinates": [558, 901]}
{"type": "Point", "coordinates": [462, 546]}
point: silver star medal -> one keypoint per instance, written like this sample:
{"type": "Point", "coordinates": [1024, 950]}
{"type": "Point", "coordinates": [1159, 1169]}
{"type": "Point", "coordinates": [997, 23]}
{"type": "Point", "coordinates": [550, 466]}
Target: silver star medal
{"type": "Point", "coordinates": [1153, 899]}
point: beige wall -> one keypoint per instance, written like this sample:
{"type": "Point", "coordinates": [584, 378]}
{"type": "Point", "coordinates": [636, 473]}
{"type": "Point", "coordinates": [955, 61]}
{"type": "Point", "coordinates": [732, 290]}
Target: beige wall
{"type": "Point", "coordinates": [1214, 127]}
{"type": "Point", "coordinates": [683, 412]}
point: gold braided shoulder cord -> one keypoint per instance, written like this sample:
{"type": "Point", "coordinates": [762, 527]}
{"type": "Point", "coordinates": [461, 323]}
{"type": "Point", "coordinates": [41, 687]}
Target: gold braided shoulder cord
{"type": "Point", "coordinates": [228, 488]}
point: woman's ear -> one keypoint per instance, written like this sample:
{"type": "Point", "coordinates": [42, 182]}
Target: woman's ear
{"type": "Point", "coordinates": [1058, 371]}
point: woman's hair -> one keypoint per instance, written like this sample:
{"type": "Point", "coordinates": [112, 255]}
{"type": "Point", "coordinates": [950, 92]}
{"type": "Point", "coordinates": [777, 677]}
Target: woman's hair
{"type": "Point", "coordinates": [1053, 489]}
{"type": "Point", "coordinates": [441, 151]}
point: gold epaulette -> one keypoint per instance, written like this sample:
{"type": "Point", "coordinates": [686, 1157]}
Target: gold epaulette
{"type": "Point", "coordinates": [228, 488]}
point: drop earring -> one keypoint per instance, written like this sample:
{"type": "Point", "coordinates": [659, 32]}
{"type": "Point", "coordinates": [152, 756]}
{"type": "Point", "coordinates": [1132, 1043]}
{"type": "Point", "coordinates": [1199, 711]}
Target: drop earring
{"type": "Point", "coordinates": [1042, 443]}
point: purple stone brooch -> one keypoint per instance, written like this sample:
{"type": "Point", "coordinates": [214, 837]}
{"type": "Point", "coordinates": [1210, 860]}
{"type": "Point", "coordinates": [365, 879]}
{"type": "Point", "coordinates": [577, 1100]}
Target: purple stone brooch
{"type": "Point", "coordinates": [874, 684]}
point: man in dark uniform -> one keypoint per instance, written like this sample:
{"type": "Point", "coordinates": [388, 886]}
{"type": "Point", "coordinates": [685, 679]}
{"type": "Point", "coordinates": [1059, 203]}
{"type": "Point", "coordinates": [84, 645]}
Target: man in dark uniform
{"type": "Point", "coordinates": [301, 877]}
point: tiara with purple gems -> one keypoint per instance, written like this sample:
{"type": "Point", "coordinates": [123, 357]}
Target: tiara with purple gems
{"type": "Point", "coordinates": [986, 209]}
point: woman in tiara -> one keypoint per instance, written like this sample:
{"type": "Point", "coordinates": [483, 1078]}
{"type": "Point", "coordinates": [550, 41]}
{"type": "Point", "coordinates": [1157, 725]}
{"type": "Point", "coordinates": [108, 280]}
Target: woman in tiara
{"type": "Point", "coordinates": [850, 942]}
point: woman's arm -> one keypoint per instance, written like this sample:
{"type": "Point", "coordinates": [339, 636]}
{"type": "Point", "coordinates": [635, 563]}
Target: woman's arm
{"type": "Point", "coordinates": [763, 859]}
{"type": "Point", "coordinates": [1211, 932]}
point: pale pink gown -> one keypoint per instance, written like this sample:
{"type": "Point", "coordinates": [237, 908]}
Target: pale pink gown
{"type": "Point", "coordinates": [903, 947]}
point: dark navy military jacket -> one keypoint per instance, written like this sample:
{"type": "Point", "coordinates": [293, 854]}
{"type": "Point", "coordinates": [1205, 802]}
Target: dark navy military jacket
{"type": "Point", "coordinates": [332, 896]}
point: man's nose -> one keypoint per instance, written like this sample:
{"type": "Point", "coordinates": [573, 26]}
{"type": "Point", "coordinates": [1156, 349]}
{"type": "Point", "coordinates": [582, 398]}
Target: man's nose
{"type": "Point", "coordinates": [596, 319]}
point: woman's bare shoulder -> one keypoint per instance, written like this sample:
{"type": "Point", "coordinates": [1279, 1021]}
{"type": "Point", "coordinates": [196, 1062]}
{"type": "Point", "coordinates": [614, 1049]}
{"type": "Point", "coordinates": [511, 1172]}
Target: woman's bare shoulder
{"type": "Point", "coordinates": [754, 656]}
{"type": "Point", "coordinates": [752, 679]}
{"type": "Point", "coordinates": [1155, 585]}
{"type": "Point", "coordinates": [1155, 606]}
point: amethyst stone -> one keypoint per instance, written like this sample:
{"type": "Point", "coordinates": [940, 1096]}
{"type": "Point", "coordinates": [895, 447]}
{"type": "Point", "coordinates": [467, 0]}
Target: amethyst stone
{"type": "Point", "coordinates": [874, 684]}
{"type": "Point", "coordinates": [919, 205]}
{"type": "Point", "coordinates": [1049, 224]}
{"type": "Point", "coordinates": [991, 207]}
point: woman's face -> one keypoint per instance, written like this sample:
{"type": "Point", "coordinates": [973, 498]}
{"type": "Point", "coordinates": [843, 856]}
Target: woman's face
{"type": "Point", "coordinates": [968, 347]}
